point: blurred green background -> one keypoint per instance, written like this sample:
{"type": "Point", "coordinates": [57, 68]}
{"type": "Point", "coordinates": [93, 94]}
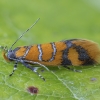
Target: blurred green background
{"type": "Point", "coordinates": [59, 20]}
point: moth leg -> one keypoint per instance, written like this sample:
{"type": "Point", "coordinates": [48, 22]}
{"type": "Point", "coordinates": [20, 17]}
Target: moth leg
{"type": "Point", "coordinates": [15, 67]}
{"type": "Point", "coordinates": [32, 62]}
{"type": "Point", "coordinates": [33, 69]}
{"type": "Point", "coordinates": [72, 69]}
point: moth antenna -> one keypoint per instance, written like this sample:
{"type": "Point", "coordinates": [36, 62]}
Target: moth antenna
{"type": "Point", "coordinates": [5, 49]}
{"type": "Point", "coordinates": [24, 33]}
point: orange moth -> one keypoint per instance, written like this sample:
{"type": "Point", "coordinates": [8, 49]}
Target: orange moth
{"type": "Point", "coordinates": [74, 52]}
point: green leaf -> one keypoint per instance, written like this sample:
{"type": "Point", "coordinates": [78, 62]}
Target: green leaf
{"type": "Point", "coordinates": [59, 20]}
